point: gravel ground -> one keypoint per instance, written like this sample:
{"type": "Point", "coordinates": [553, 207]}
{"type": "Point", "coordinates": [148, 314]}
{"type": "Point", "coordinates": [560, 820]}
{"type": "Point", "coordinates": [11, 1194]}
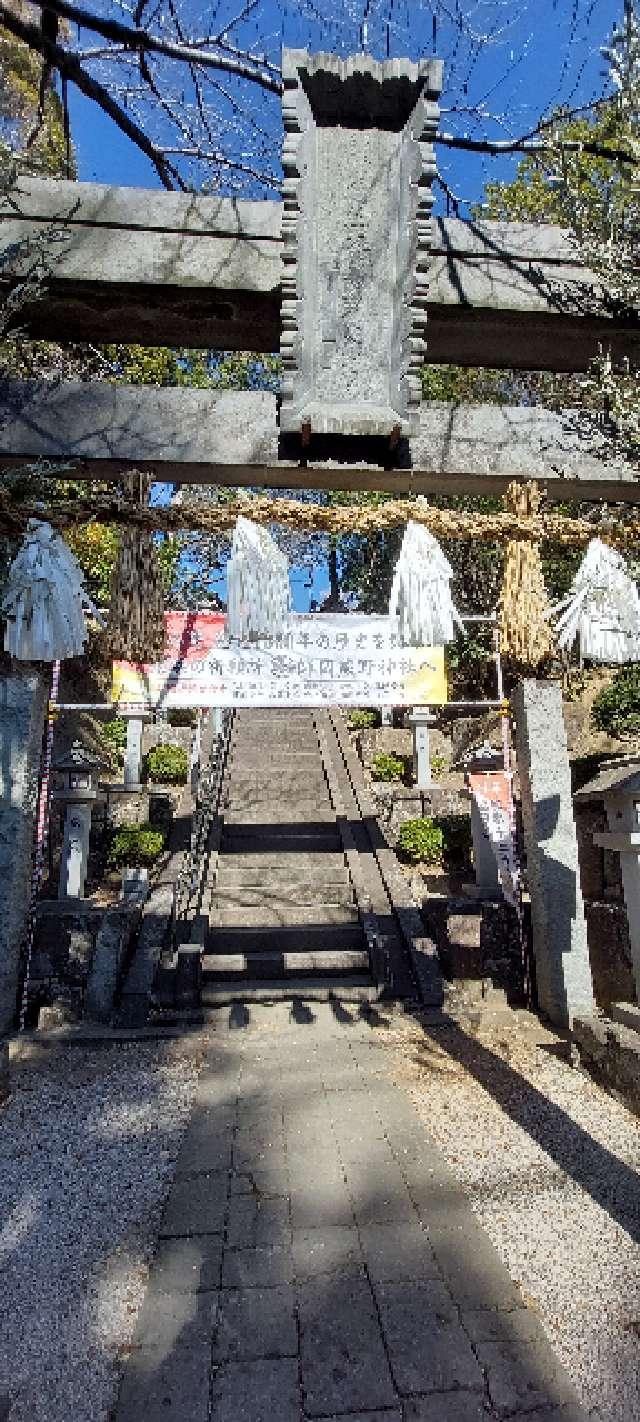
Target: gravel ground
{"type": "Point", "coordinates": [87, 1143]}
{"type": "Point", "coordinates": [550, 1162]}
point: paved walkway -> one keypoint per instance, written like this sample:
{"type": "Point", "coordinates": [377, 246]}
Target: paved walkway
{"type": "Point", "coordinates": [317, 1257]}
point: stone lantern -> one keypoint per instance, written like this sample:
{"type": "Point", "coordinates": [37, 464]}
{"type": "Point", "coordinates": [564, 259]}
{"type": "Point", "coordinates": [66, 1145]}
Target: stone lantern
{"type": "Point", "coordinates": [618, 788]}
{"type": "Point", "coordinates": [76, 786]}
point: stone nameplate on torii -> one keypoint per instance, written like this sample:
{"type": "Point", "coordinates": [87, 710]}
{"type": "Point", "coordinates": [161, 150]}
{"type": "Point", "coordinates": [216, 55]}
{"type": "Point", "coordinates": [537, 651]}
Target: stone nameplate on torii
{"type": "Point", "coordinates": [358, 164]}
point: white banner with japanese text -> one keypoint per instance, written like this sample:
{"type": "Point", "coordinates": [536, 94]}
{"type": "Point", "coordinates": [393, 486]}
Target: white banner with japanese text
{"type": "Point", "coordinates": [493, 796]}
{"type": "Point", "coordinates": [324, 659]}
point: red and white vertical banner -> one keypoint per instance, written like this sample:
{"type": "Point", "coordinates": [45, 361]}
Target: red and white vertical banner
{"type": "Point", "coordinates": [493, 795]}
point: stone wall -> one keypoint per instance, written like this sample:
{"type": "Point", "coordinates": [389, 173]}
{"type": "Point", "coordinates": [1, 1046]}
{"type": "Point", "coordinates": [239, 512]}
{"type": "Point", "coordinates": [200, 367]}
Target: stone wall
{"type": "Point", "coordinates": [22, 711]}
{"type": "Point", "coordinates": [610, 1052]}
{"type": "Point", "coordinates": [65, 938]}
{"type": "Point", "coordinates": [398, 803]}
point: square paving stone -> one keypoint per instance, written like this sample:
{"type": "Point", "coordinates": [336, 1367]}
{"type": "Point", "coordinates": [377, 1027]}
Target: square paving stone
{"type": "Point", "coordinates": [400, 1250]}
{"type": "Point", "coordinates": [196, 1205]}
{"type": "Point", "coordinates": [446, 1407]}
{"type": "Point", "coordinates": [524, 1376]}
{"type": "Point", "coordinates": [428, 1350]}
{"type": "Point", "coordinates": [166, 1321]}
{"type": "Point", "coordinates": [517, 1325]}
{"type": "Point", "coordinates": [241, 1181]}
{"type": "Point", "coordinates": [573, 1413]}
{"type": "Point", "coordinates": [205, 1147]}
{"type": "Point", "coordinates": [256, 1268]}
{"type": "Point", "coordinates": [379, 1195]}
{"type": "Point", "coordinates": [359, 1147]}
{"type": "Point", "coordinates": [388, 1414]}
{"type": "Point", "coordinates": [332, 1250]}
{"type": "Point", "coordinates": [255, 1220]}
{"type": "Point", "coordinates": [166, 1388]}
{"type": "Point", "coordinates": [187, 1265]}
{"type": "Point", "coordinates": [472, 1267]}
{"type": "Point", "coordinates": [343, 1361]}
{"type": "Point", "coordinates": [217, 1087]}
{"type": "Point", "coordinates": [256, 1323]}
{"type": "Point", "coordinates": [322, 1204]}
{"type": "Point", "coordinates": [264, 1391]}
{"type": "Point", "coordinates": [268, 1176]}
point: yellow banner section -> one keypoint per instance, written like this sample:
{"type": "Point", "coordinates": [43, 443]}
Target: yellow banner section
{"type": "Point", "coordinates": [325, 659]}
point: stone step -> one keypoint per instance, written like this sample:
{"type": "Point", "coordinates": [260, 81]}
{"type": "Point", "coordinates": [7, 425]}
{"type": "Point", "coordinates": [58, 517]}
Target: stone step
{"type": "Point", "coordinates": [251, 839]}
{"type": "Point", "coordinates": [250, 756]}
{"type": "Point", "coordinates": [285, 938]}
{"type": "Point", "coordinates": [282, 896]}
{"type": "Point", "coordinates": [302, 813]}
{"type": "Point", "coordinates": [279, 914]}
{"type": "Point", "coordinates": [358, 988]}
{"type": "Point", "coordinates": [221, 967]}
{"type": "Point", "coordinates": [313, 867]}
{"type": "Point", "coordinates": [296, 738]}
{"type": "Point", "coordinates": [280, 785]}
{"type": "Point", "coordinates": [278, 811]}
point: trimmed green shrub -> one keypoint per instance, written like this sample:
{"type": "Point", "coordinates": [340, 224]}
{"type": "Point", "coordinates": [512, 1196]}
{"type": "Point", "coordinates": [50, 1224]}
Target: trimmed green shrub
{"type": "Point", "coordinates": [114, 736]}
{"type": "Point", "coordinates": [421, 842]}
{"type": "Point", "coordinates": [387, 767]}
{"type": "Point", "coordinates": [616, 708]}
{"type": "Point", "coordinates": [363, 720]}
{"type": "Point", "coordinates": [134, 845]}
{"type": "Point", "coordinates": [167, 765]}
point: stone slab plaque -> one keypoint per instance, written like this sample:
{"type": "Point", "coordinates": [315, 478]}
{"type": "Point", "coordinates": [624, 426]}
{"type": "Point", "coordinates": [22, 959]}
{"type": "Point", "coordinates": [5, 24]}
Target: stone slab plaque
{"type": "Point", "coordinates": [359, 164]}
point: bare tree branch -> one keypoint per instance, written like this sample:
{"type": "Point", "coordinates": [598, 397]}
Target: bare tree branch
{"type": "Point", "coordinates": [70, 68]}
{"type": "Point", "coordinates": [539, 146]}
{"type": "Point", "coordinates": [140, 39]}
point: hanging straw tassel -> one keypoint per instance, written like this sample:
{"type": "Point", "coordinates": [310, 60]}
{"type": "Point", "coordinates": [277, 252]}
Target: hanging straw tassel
{"type": "Point", "coordinates": [525, 635]}
{"type": "Point", "coordinates": [136, 613]}
{"type": "Point", "coordinates": [258, 591]}
{"type": "Point", "coordinates": [44, 599]}
{"type": "Point", "coordinates": [421, 593]}
{"type": "Point", "coordinates": [602, 608]}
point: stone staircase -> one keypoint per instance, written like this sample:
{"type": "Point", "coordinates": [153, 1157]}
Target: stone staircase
{"type": "Point", "coordinates": [283, 915]}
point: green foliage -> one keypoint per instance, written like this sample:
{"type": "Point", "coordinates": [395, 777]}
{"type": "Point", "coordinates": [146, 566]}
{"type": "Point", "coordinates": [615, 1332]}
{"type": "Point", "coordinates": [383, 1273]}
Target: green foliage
{"type": "Point", "coordinates": [167, 765]}
{"type": "Point", "coordinates": [438, 766]}
{"type": "Point", "coordinates": [114, 737]}
{"type": "Point", "coordinates": [363, 720]}
{"type": "Point", "coordinates": [574, 189]}
{"type": "Point", "coordinates": [20, 75]}
{"type": "Point", "coordinates": [135, 845]}
{"type": "Point", "coordinates": [387, 767]}
{"type": "Point", "coordinates": [421, 842]}
{"type": "Point", "coordinates": [616, 708]}
{"type": "Point", "coordinates": [456, 833]}
{"type": "Point", "coordinates": [471, 385]}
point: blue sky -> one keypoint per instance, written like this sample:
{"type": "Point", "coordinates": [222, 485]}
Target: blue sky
{"type": "Point", "coordinates": [545, 52]}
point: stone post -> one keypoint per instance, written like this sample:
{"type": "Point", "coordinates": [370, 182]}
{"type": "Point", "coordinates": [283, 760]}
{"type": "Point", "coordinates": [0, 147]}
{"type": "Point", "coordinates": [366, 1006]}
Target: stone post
{"type": "Point", "coordinates": [420, 720]}
{"type": "Point", "coordinates": [386, 715]}
{"type": "Point", "coordinates": [623, 819]}
{"type": "Point", "coordinates": [133, 753]}
{"type": "Point", "coordinates": [563, 972]}
{"type": "Point", "coordinates": [23, 700]}
{"type": "Point", "coordinates": [75, 851]}
{"type": "Point", "coordinates": [195, 757]}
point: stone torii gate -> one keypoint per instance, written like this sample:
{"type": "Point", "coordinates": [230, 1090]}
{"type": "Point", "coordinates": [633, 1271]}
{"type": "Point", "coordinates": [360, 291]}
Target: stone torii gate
{"type": "Point", "coordinates": [355, 283]}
